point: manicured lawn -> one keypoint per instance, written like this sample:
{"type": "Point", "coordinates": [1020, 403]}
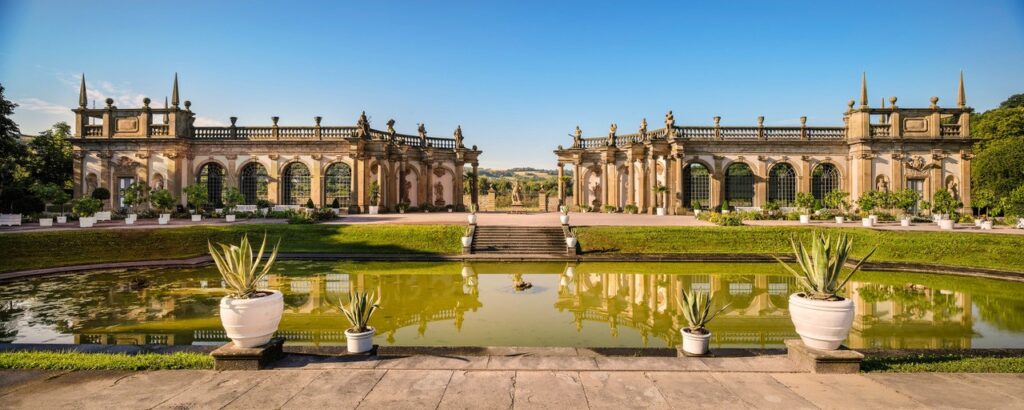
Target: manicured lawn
{"type": "Point", "coordinates": [104, 361]}
{"type": "Point", "coordinates": [953, 249]}
{"type": "Point", "coordinates": [946, 363]}
{"type": "Point", "coordinates": [47, 249]}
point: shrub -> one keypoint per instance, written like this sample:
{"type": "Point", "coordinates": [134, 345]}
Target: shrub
{"type": "Point", "coordinates": [837, 200]}
{"type": "Point", "coordinates": [84, 207]}
{"type": "Point", "coordinates": [337, 203]}
{"type": "Point", "coordinates": [264, 204]}
{"type": "Point", "coordinates": [906, 200]}
{"type": "Point", "coordinates": [868, 201]}
{"type": "Point", "coordinates": [804, 201]}
{"type": "Point", "coordinates": [793, 216]}
{"type": "Point", "coordinates": [309, 204]}
{"type": "Point", "coordinates": [101, 194]}
{"type": "Point", "coordinates": [232, 197]}
{"type": "Point", "coordinates": [630, 209]}
{"type": "Point", "coordinates": [944, 203]}
{"type": "Point", "coordinates": [162, 199]}
{"type": "Point", "coordinates": [695, 204]}
{"type": "Point", "coordinates": [772, 206]}
{"type": "Point", "coordinates": [609, 209]}
{"type": "Point", "coordinates": [135, 194]}
{"type": "Point", "coordinates": [730, 219]}
{"type": "Point", "coordinates": [697, 310]}
{"type": "Point", "coordinates": [196, 196]}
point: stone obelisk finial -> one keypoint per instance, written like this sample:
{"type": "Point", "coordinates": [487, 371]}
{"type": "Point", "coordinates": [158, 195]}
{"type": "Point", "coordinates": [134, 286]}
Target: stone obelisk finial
{"type": "Point", "coordinates": [864, 90]}
{"type": "Point", "coordinates": [83, 101]}
{"type": "Point", "coordinates": [174, 92]}
{"type": "Point", "coordinates": [961, 96]}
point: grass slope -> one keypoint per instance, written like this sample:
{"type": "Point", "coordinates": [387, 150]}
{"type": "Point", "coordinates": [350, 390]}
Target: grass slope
{"type": "Point", "coordinates": [32, 250]}
{"type": "Point", "coordinates": [104, 361]}
{"type": "Point", "coordinates": [945, 363]}
{"type": "Point", "coordinates": [998, 251]}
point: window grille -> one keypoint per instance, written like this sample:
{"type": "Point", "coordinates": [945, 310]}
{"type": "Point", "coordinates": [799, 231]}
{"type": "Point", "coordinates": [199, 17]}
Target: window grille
{"type": "Point", "coordinates": [253, 182]}
{"type": "Point", "coordinates": [338, 184]}
{"type": "Point", "coordinates": [295, 190]}
{"type": "Point", "coordinates": [824, 179]}
{"type": "Point", "coordinates": [739, 185]}
{"type": "Point", "coordinates": [698, 182]}
{"type": "Point", "coordinates": [782, 184]}
{"type": "Point", "coordinates": [212, 177]}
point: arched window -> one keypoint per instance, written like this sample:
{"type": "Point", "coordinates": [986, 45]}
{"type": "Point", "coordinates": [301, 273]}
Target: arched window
{"type": "Point", "coordinates": [782, 184]}
{"type": "Point", "coordinates": [824, 179]}
{"type": "Point", "coordinates": [698, 182]}
{"type": "Point", "coordinates": [739, 185]}
{"type": "Point", "coordinates": [338, 185]}
{"type": "Point", "coordinates": [211, 176]}
{"type": "Point", "coordinates": [295, 187]}
{"type": "Point", "coordinates": [253, 182]}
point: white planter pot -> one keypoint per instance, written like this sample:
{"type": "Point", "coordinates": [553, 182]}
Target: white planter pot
{"type": "Point", "coordinates": [946, 224]}
{"type": "Point", "coordinates": [129, 221]}
{"type": "Point", "coordinates": [564, 219]}
{"type": "Point", "coordinates": [570, 242]}
{"type": "Point", "coordinates": [359, 342]}
{"type": "Point", "coordinates": [133, 217]}
{"type": "Point", "coordinates": [840, 220]}
{"type": "Point", "coordinates": [374, 210]}
{"type": "Point", "coordinates": [867, 222]}
{"type": "Point", "coordinates": [86, 222]}
{"type": "Point", "coordinates": [62, 219]}
{"type": "Point", "coordinates": [805, 219]}
{"type": "Point", "coordinates": [166, 216]}
{"type": "Point", "coordinates": [977, 222]}
{"type": "Point", "coordinates": [163, 221]}
{"type": "Point", "coordinates": [197, 218]}
{"type": "Point", "coordinates": [450, 211]}
{"type": "Point", "coordinates": [471, 218]}
{"type": "Point", "coordinates": [696, 212]}
{"type": "Point", "coordinates": [660, 211]}
{"type": "Point", "coordinates": [45, 221]}
{"type": "Point", "coordinates": [251, 322]}
{"type": "Point", "coordinates": [821, 324]}
{"type": "Point", "coordinates": [229, 218]}
{"type": "Point", "coordinates": [986, 225]}
{"type": "Point", "coordinates": [905, 222]}
{"type": "Point", "coordinates": [725, 212]}
{"type": "Point", "coordinates": [694, 344]}
{"type": "Point", "coordinates": [874, 218]}
{"type": "Point", "coordinates": [467, 241]}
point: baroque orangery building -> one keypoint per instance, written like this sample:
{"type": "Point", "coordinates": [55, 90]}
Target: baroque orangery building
{"type": "Point", "coordinates": [877, 148]}
{"type": "Point", "coordinates": [286, 165]}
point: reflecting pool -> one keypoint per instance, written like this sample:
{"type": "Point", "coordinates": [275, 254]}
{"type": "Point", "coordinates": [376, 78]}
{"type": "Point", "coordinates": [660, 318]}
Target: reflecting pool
{"type": "Point", "coordinates": [453, 304]}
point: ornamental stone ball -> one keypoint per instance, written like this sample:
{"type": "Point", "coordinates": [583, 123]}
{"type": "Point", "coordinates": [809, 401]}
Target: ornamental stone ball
{"type": "Point", "coordinates": [188, 105]}
{"type": "Point", "coordinates": [145, 101]}
{"type": "Point", "coordinates": [892, 101]}
{"type": "Point", "coordinates": [110, 102]}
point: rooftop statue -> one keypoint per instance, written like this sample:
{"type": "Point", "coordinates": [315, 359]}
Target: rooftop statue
{"type": "Point", "coordinates": [391, 126]}
{"type": "Point", "coordinates": [643, 128]}
{"type": "Point", "coordinates": [670, 120]}
{"type": "Point", "coordinates": [577, 135]}
{"type": "Point", "coordinates": [458, 136]}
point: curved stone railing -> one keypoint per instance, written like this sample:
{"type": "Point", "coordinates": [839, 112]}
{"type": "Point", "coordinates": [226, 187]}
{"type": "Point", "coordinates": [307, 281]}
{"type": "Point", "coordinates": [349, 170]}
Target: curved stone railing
{"type": "Point", "coordinates": [315, 133]}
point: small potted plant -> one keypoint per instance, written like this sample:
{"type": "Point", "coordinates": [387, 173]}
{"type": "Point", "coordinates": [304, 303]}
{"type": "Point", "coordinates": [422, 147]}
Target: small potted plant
{"type": "Point", "coordinates": [867, 203]}
{"type": "Point", "coordinates": [467, 239]}
{"type": "Point", "coordinates": [725, 207]}
{"type": "Point", "coordinates": [60, 199]}
{"type": "Point", "coordinates": [162, 200]}
{"type": "Point", "coordinates": [86, 208]}
{"type": "Point", "coordinates": [698, 312]}
{"type": "Point", "coordinates": [945, 205]}
{"type": "Point", "coordinates": [906, 200]}
{"type": "Point", "coordinates": [471, 218]}
{"type": "Point", "coordinates": [264, 206]}
{"type": "Point", "coordinates": [232, 197]}
{"type": "Point", "coordinates": [48, 193]}
{"type": "Point", "coordinates": [402, 207]}
{"type": "Point", "coordinates": [250, 315]}
{"type": "Point", "coordinates": [822, 318]}
{"type": "Point", "coordinates": [374, 198]}
{"type": "Point", "coordinates": [336, 206]}
{"type": "Point", "coordinates": [630, 209]}
{"type": "Point", "coordinates": [697, 207]}
{"type": "Point", "coordinates": [804, 201]}
{"type": "Point", "coordinates": [570, 241]}
{"type": "Point", "coordinates": [134, 194]}
{"type": "Point", "coordinates": [360, 307]}
{"type": "Point", "coordinates": [196, 196]}
{"type": "Point", "coordinates": [563, 214]}
{"type": "Point", "coordinates": [660, 192]}
{"type": "Point", "coordinates": [837, 200]}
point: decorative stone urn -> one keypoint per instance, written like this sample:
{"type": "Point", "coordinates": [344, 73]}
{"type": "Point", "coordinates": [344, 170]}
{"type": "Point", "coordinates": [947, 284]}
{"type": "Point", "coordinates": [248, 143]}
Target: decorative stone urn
{"type": "Point", "coordinates": [251, 322]}
{"type": "Point", "coordinates": [359, 342]}
{"type": "Point", "coordinates": [821, 324]}
{"type": "Point", "coordinates": [467, 241]}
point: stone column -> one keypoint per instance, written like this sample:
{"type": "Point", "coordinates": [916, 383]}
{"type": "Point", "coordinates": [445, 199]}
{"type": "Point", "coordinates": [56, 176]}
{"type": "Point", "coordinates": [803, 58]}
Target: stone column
{"type": "Point", "coordinates": [717, 194]}
{"type": "Point", "coordinates": [652, 174]}
{"type": "Point", "coordinates": [474, 191]}
{"type": "Point", "coordinates": [316, 181]}
{"type": "Point", "coordinates": [965, 178]}
{"type": "Point", "coordinates": [761, 183]}
{"type": "Point", "coordinates": [804, 180]}
{"type": "Point", "coordinates": [605, 177]}
{"type": "Point", "coordinates": [897, 182]}
{"type": "Point", "coordinates": [561, 183]}
{"type": "Point", "coordinates": [677, 184]}
{"type": "Point", "coordinates": [630, 182]}
{"type": "Point", "coordinates": [274, 184]}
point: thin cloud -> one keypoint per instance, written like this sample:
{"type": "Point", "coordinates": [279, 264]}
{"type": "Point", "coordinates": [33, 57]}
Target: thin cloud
{"type": "Point", "coordinates": [208, 122]}
{"type": "Point", "coordinates": [35, 104]}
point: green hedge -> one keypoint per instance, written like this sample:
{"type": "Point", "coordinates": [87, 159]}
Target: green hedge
{"type": "Point", "coordinates": [104, 361]}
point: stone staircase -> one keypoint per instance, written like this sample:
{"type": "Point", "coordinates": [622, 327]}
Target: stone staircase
{"type": "Point", "coordinates": [519, 240]}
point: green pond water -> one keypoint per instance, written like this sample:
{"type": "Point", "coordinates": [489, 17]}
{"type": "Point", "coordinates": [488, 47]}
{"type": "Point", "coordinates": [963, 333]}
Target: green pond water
{"type": "Point", "coordinates": [452, 304]}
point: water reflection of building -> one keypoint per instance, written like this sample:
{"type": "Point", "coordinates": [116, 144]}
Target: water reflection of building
{"type": "Point", "coordinates": [910, 316]}
{"type": "Point", "coordinates": [756, 314]}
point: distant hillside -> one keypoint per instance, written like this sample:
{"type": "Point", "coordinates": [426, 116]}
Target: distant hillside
{"type": "Point", "coordinates": [520, 172]}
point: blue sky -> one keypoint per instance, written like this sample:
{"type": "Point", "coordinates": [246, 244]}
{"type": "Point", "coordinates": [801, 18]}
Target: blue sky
{"type": "Point", "coordinates": [518, 76]}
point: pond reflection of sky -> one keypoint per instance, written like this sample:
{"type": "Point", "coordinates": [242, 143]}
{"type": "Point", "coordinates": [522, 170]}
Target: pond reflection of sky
{"type": "Point", "coordinates": [590, 304]}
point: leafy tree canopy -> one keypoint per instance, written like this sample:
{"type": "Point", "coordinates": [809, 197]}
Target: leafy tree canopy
{"type": "Point", "coordinates": [1016, 100]}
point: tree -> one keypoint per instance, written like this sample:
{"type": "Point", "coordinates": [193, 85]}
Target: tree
{"type": "Point", "coordinates": [232, 197]}
{"type": "Point", "coordinates": [196, 196]}
{"type": "Point", "coordinates": [999, 123]}
{"type": "Point", "coordinates": [997, 166]}
{"type": "Point", "coordinates": [135, 194]}
{"type": "Point", "coordinates": [944, 203]}
{"type": "Point", "coordinates": [50, 160]}
{"type": "Point", "coordinates": [1016, 100]}
{"type": "Point", "coordinates": [12, 152]}
{"type": "Point", "coordinates": [162, 200]}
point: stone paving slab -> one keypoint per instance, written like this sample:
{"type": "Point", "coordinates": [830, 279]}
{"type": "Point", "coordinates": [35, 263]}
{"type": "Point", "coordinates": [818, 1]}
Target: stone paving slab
{"type": "Point", "coordinates": [310, 388]}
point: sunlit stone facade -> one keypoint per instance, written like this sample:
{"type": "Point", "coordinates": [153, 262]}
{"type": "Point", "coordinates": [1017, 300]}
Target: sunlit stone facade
{"type": "Point", "coordinates": [881, 149]}
{"type": "Point", "coordinates": [287, 165]}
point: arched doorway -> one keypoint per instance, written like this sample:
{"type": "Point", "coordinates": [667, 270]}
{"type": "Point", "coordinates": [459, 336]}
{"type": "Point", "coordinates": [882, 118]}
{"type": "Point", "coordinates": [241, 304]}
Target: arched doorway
{"type": "Point", "coordinates": [697, 184]}
{"type": "Point", "coordinates": [739, 185]}
{"type": "Point", "coordinates": [253, 181]}
{"type": "Point", "coordinates": [782, 184]}
{"type": "Point", "coordinates": [211, 176]}
{"type": "Point", "coordinates": [338, 185]}
{"type": "Point", "coordinates": [295, 184]}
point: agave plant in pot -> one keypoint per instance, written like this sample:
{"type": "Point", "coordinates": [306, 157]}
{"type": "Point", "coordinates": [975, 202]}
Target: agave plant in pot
{"type": "Point", "coordinates": [698, 312]}
{"type": "Point", "coordinates": [360, 307]}
{"type": "Point", "coordinates": [821, 317]}
{"type": "Point", "coordinates": [563, 215]}
{"type": "Point", "coordinates": [471, 218]}
{"type": "Point", "coordinates": [250, 315]}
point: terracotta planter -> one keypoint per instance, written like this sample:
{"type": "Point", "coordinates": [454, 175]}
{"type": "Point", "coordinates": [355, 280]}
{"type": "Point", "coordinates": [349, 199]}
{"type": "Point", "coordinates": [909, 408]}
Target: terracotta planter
{"type": "Point", "coordinates": [694, 344]}
{"type": "Point", "coordinates": [359, 342]}
{"type": "Point", "coordinates": [251, 322]}
{"type": "Point", "coordinates": [821, 324]}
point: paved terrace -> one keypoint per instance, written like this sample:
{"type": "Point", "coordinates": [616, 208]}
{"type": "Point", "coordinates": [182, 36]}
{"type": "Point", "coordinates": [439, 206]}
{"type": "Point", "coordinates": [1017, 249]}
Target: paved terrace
{"type": "Point", "coordinates": [520, 381]}
{"type": "Point", "coordinates": [504, 219]}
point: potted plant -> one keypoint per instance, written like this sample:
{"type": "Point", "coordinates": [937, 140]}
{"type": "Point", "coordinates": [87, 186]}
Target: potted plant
{"type": "Point", "coordinates": [867, 203]}
{"type": "Point", "coordinates": [945, 205]}
{"type": "Point", "coordinates": [471, 218]}
{"type": "Point", "coordinates": [196, 196]}
{"type": "Point", "coordinates": [374, 198]}
{"type": "Point", "coordinates": [725, 206]}
{"type": "Point", "coordinates": [837, 200]}
{"type": "Point", "coordinates": [563, 215]}
{"type": "Point", "coordinates": [570, 241]}
{"type": "Point", "coordinates": [134, 194]}
{"type": "Point", "coordinates": [232, 197]}
{"type": "Point", "coordinates": [630, 209]}
{"type": "Point", "coordinates": [697, 207]}
{"type": "Point", "coordinates": [85, 208]}
{"type": "Point", "coordinates": [906, 200]}
{"type": "Point", "coordinates": [250, 315]}
{"type": "Point", "coordinates": [60, 199]}
{"type": "Point", "coordinates": [804, 201]}
{"type": "Point", "coordinates": [698, 312]}
{"type": "Point", "coordinates": [360, 336]}
{"type": "Point", "coordinates": [162, 200]}
{"type": "Point", "coordinates": [467, 238]}
{"type": "Point", "coordinates": [336, 206]}
{"type": "Point", "coordinates": [101, 194]}
{"type": "Point", "coordinates": [822, 318]}
{"type": "Point", "coordinates": [49, 194]}
{"type": "Point", "coordinates": [660, 191]}
{"type": "Point", "coordinates": [402, 207]}
{"type": "Point", "coordinates": [263, 206]}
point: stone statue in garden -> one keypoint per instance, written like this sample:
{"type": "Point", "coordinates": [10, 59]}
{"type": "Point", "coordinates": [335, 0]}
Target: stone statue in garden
{"type": "Point", "coordinates": [517, 193]}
